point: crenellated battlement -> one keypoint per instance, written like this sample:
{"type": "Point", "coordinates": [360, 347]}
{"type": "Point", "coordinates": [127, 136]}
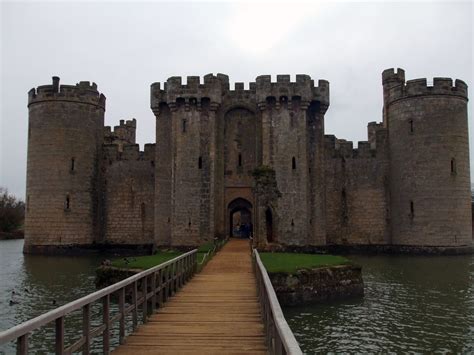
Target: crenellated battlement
{"type": "Point", "coordinates": [129, 152]}
{"type": "Point", "coordinates": [303, 88]}
{"type": "Point", "coordinates": [83, 92]}
{"type": "Point", "coordinates": [173, 89]}
{"type": "Point", "coordinates": [125, 132]}
{"type": "Point", "coordinates": [396, 88]}
{"type": "Point", "coordinates": [341, 148]}
{"type": "Point", "coordinates": [215, 87]}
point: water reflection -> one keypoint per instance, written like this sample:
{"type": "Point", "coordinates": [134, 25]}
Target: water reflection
{"type": "Point", "coordinates": [419, 304]}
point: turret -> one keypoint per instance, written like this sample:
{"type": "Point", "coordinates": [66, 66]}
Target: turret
{"type": "Point", "coordinates": [429, 154]}
{"type": "Point", "coordinates": [65, 136]}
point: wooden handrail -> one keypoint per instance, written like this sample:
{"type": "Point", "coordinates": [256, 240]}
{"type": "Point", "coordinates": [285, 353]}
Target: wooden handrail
{"type": "Point", "coordinates": [279, 337]}
{"type": "Point", "coordinates": [171, 275]}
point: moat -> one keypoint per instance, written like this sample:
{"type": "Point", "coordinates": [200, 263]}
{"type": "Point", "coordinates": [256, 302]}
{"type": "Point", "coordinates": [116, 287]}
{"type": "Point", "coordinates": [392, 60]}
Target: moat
{"type": "Point", "coordinates": [419, 304]}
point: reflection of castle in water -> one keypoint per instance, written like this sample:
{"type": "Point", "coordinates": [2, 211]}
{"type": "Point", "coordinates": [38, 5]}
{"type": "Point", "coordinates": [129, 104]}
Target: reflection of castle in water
{"type": "Point", "coordinates": [407, 186]}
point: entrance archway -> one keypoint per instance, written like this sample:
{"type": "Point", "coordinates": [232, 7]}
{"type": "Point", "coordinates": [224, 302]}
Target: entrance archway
{"type": "Point", "coordinates": [240, 218]}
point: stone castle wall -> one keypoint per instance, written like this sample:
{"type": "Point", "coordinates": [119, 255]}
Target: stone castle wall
{"type": "Point", "coordinates": [429, 151]}
{"type": "Point", "coordinates": [408, 185]}
{"type": "Point", "coordinates": [64, 140]}
{"type": "Point", "coordinates": [128, 194]}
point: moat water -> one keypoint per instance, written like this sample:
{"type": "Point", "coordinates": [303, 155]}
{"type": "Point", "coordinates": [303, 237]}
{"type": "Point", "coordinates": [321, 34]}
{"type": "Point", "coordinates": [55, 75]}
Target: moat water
{"type": "Point", "coordinates": [411, 304]}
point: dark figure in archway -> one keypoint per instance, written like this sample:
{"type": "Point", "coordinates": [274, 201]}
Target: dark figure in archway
{"type": "Point", "coordinates": [269, 225]}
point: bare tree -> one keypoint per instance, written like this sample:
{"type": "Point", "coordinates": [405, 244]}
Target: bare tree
{"type": "Point", "coordinates": [12, 211]}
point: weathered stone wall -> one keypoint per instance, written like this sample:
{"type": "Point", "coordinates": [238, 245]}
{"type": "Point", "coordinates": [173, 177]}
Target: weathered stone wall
{"type": "Point", "coordinates": [357, 195]}
{"type": "Point", "coordinates": [124, 133]}
{"type": "Point", "coordinates": [318, 285]}
{"type": "Point", "coordinates": [65, 135]}
{"type": "Point", "coordinates": [128, 194]}
{"type": "Point", "coordinates": [429, 151]}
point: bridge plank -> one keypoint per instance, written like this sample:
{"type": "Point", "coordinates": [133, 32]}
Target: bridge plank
{"type": "Point", "coordinates": [216, 312]}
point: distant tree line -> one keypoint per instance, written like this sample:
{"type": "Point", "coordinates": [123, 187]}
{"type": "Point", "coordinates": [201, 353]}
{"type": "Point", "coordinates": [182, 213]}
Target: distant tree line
{"type": "Point", "coordinates": [12, 212]}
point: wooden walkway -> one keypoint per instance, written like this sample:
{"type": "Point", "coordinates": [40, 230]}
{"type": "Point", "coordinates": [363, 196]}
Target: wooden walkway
{"type": "Point", "coordinates": [217, 312]}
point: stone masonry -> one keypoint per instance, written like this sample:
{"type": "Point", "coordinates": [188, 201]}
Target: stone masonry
{"type": "Point", "coordinates": [407, 186]}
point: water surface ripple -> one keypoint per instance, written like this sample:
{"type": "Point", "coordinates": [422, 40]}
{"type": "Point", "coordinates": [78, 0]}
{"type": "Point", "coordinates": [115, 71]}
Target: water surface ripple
{"type": "Point", "coordinates": [412, 304]}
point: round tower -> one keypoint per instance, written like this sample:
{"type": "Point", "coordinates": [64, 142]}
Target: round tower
{"type": "Point", "coordinates": [429, 168]}
{"type": "Point", "coordinates": [65, 136]}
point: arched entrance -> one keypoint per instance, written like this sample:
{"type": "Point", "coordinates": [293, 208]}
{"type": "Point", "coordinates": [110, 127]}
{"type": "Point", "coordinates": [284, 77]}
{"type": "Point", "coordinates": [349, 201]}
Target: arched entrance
{"type": "Point", "coordinates": [240, 218]}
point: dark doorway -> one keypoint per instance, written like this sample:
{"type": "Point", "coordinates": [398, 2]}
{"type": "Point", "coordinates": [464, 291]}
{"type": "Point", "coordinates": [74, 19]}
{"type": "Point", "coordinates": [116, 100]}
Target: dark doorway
{"type": "Point", "coordinates": [240, 218]}
{"type": "Point", "coordinates": [269, 225]}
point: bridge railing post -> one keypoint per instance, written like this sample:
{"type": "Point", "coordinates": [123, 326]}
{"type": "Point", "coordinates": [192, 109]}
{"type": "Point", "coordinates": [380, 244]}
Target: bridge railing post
{"type": "Point", "coordinates": [122, 315]}
{"type": "Point", "coordinates": [106, 322]}
{"type": "Point", "coordinates": [145, 298]}
{"type": "Point", "coordinates": [59, 336]}
{"type": "Point", "coordinates": [86, 328]}
{"type": "Point", "coordinates": [153, 289]}
{"type": "Point", "coordinates": [22, 345]}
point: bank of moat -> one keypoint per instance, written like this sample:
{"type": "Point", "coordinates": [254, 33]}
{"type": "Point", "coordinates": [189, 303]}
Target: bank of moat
{"type": "Point", "coordinates": [407, 186]}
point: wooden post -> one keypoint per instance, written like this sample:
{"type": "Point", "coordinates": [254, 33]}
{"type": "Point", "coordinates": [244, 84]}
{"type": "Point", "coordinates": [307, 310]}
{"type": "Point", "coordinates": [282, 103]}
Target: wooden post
{"type": "Point", "coordinates": [145, 299]}
{"type": "Point", "coordinates": [153, 289]}
{"type": "Point", "coordinates": [160, 286]}
{"type": "Point", "coordinates": [135, 305]}
{"type": "Point", "coordinates": [122, 315]}
{"type": "Point", "coordinates": [106, 321]}
{"type": "Point", "coordinates": [86, 325]}
{"type": "Point", "coordinates": [22, 345]}
{"type": "Point", "coordinates": [59, 335]}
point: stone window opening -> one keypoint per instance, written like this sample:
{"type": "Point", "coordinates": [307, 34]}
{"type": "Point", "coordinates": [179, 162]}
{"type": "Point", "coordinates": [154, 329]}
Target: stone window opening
{"type": "Point", "coordinates": [200, 163]}
{"type": "Point", "coordinates": [28, 203]}
{"type": "Point", "coordinates": [67, 203]}
{"type": "Point", "coordinates": [240, 159]}
{"type": "Point", "coordinates": [293, 163]}
{"type": "Point", "coordinates": [292, 222]}
{"type": "Point", "coordinates": [73, 164]}
{"type": "Point", "coordinates": [412, 210]}
{"type": "Point", "coordinates": [189, 223]}
{"type": "Point", "coordinates": [143, 211]}
{"type": "Point", "coordinates": [453, 166]}
{"type": "Point", "coordinates": [411, 126]}
{"type": "Point", "coordinates": [184, 126]}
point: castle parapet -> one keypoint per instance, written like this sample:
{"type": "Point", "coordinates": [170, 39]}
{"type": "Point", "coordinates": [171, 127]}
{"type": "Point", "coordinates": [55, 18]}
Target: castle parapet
{"type": "Point", "coordinates": [125, 132]}
{"type": "Point", "coordinates": [83, 92]}
{"type": "Point", "coordinates": [397, 88]}
{"type": "Point", "coordinates": [128, 152]}
{"type": "Point", "coordinates": [303, 88]}
{"type": "Point", "coordinates": [173, 90]}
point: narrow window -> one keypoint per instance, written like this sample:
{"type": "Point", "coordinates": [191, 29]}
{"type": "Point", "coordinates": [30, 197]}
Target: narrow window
{"type": "Point", "coordinates": [67, 203]}
{"type": "Point", "coordinates": [411, 126]}
{"type": "Point", "coordinates": [453, 166]}
{"type": "Point", "coordinates": [143, 211]}
{"type": "Point", "coordinates": [200, 163]}
{"type": "Point", "coordinates": [240, 159]}
{"type": "Point", "coordinates": [412, 210]}
{"type": "Point", "coordinates": [73, 164]}
{"type": "Point", "coordinates": [184, 126]}
{"type": "Point", "coordinates": [293, 163]}
{"type": "Point", "coordinates": [28, 203]}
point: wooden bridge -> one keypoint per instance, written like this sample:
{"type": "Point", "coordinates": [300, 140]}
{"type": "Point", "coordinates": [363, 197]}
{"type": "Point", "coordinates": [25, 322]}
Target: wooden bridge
{"type": "Point", "coordinates": [230, 307]}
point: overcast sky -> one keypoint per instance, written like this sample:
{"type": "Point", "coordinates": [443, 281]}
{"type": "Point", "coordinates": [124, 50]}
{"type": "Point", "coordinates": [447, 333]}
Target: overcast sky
{"type": "Point", "coordinates": [124, 47]}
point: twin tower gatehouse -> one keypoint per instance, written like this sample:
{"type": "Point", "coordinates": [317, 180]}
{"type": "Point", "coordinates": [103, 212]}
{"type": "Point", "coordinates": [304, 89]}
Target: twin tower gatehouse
{"type": "Point", "coordinates": [257, 158]}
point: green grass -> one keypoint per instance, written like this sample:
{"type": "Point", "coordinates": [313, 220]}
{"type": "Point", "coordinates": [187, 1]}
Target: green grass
{"type": "Point", "coordinates": [206, 247]}
{"type": "Point", "coordinates": [145, 262]}
{"type": "Point", "coordinates": [291, 262]}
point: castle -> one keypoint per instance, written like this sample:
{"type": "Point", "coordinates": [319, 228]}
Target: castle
{"type": "Point", "coordinates": [261, 154]}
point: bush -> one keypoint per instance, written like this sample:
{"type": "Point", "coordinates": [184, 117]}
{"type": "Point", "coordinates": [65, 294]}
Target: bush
{"type": "Point", "coordinates": [12, 212]}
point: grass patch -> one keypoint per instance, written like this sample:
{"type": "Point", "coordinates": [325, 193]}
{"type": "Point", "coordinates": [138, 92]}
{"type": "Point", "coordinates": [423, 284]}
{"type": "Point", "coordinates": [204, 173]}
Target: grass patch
{"type": "Point", "coordinates": [291, 262]}
{"type": "Point", "coordinates": [145, 262]}
{"type": "Point", "coordinates": [206, 247]}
